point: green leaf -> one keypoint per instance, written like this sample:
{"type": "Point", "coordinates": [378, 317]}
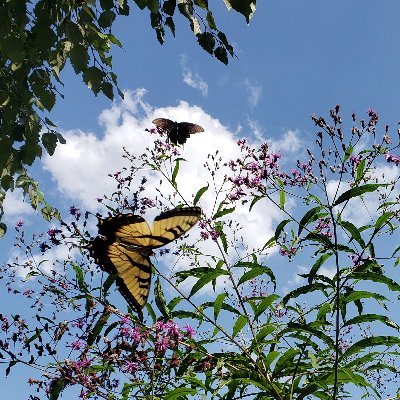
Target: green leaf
{"type": "Point", "coordinates": [179, 392]}
{"type": "Point", "coordinates": [264, 304]}
{"type": "Point", "coordinates": [360, 170]}
{"type": "Point", "coordinates": [218, 304]}
{"type": "Point", "coordinates": [356, 192]}
{"type": "Point", "coordinates": [354, 232]}
{"type": "Point", "coordinates": [207, 278]}
{"type": "Point", "coordinates": [240, 323]}
{"type": "Point", "coordinates": [304, 290]}
{"type": "Point", "coordinates": [141, 4]}
{"type": "Point", "coordinates": [310, 216]}
{"type": "Point", "coordinates": [49, 140]}
{"type": "Point", "coordinates": [375, 341]}
{"type": "Point", "coordinates": [382, 221]}
{"type": "Point", "coordinates": [3, 229]}
{"type": "Point", "coordinates": [199, 193]}
{"type": "Point", "coordinates": [56, 387]}
{"type": "Point", "coordinates": [223, 212]}
{"type": "Point", "coordinates": [245, 7]}
{"type": "Point", "coordinates": [80, 277]}
{"type": "Point", "coordinates": [107, 284]}
{"type": "Point", "coordinates": [98, 327]}
{"type": "Point", "coordinates": [362, 294]}
{"type": "Point", "coordinates": [206, 41]}
{"type": "Point", "coordinates": [175, 173]}
{"type": "Point", "coordinates": [372, 318]}
{"type": "Point", "coordinates": [93, 77]}
{"type": "Point", "coordinates": [375, 277]}
{"type": "Point", "coordinates": [280, 228]}
{"type": "Point", "coordinates": [285, 361]}
{"type": "Point", "coordinates": [79, 58]}
{"type": "Point", "coordinates": [221, 54]}
{"type": "Point", "coordinates": [348, 153]}
{"type": "Point", "coordinates": [317, 265]}
{"type": "Point", "coordinates": [160, 299]}
{"type": "Point", "coordinates": [282, 198]}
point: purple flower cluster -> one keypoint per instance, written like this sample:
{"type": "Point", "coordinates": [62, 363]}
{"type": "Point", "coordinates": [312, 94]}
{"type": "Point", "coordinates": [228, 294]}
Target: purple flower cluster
{"type": "Point", "coordinates": [392, 158]}
{"type": "Point", "coordinates": [259, 166]}
{"type": "Point", "coordinates": [323, 227]}
{"type": "Point", "coordinates": [207, 230]}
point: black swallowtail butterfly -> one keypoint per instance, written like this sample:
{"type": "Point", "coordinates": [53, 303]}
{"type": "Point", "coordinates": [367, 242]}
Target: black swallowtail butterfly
{"type": "Point", "coordinates": [178, 132]}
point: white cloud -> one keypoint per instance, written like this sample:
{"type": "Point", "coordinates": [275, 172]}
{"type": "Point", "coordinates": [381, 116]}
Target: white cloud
{"type": "Point", "coordinates": [15, 206]}
{"type": "Point", "coordinates": [193, 79]}
{"type": "Point", "coordinates": [80, 168]}
{"type": "Point", "coordinates": [254, 92]}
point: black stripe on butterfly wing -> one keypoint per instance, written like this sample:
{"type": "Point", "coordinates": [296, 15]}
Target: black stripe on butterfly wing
{"type": "Point", "coordinates": [133, 270]}
{"type": "Point", "coordinates": [127, 228]}
{"type": "Point", "coordinates": [134, 273]}
{"type": "Point", "coordinates": [109, 226]}
{"type": "Point", "coordinates": [172, 224]}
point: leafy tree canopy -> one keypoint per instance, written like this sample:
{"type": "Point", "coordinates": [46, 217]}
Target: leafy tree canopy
{"type": "Point", "coordinates": [39, 37]}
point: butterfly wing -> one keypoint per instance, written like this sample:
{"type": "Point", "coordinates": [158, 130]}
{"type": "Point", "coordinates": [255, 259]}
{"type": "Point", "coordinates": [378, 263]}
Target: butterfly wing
{"type": "Point", "coordinates": [178, 132]}
{"type": "Point", "coordinates": [126, 228]}
{"type": "Point", "coordinates": [165, 124]}
{"type": "Point", "coordinates": [132, 268]}
{"type": "Point", "coordinates": [172, 224]}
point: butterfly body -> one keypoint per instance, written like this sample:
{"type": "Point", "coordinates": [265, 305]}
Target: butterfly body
{"type": "Point", "coordinates": [126, 242]}
{"type": "Point", "coordinates": [178, 132]}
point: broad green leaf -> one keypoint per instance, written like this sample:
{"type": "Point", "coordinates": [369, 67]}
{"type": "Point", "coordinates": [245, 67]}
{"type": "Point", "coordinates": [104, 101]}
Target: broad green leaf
{"type": "Point", "coordinates": [98, 327]}
{"type": "Point", "coordinates": [175, 172]}
{"type": "Point", "coordinates": [245, 7]}
{"type": "Point", "coordinates": [356, 192]}
{"type": "Point", "coordinates": [174, 302]}
{"type": "Point", "coordinates": [79, 58]}
{"type": "Point", "coordinates": [249, 275]}
{"type": "Point", "coordinates": [221, 54]}
{"type": "Point", "coordinates": [199, 193]}
{"type": "Point", "coordinates": [348, 153]}
{"type": "Point", "coordinates": [49, 140]}
{"type": "Point", "coordinates": [240, 323]}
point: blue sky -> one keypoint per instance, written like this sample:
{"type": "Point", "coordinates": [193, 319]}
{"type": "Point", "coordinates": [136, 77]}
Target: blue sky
{"type": "Point", "coordinates": [296, 58]}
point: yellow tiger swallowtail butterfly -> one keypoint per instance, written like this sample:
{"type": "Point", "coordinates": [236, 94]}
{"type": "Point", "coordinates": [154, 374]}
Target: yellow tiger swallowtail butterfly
{"type": "Point", "coordinates": [126, 242]}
